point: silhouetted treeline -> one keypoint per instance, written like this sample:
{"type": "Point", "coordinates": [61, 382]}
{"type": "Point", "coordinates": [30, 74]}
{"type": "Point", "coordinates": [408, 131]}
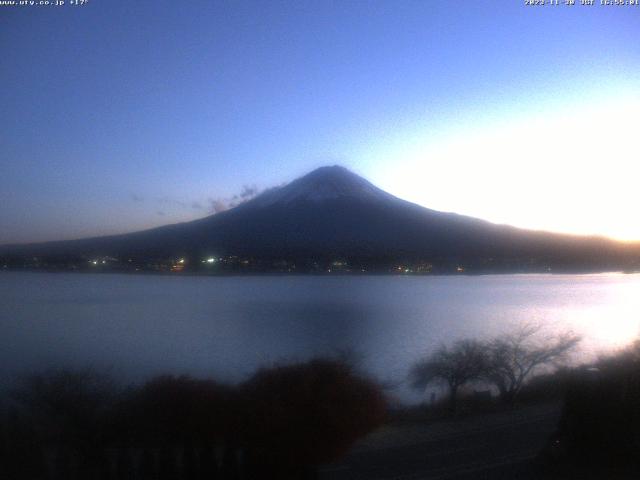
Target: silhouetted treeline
{"type": "Point", "coordinates": [506, 363]}
{"type": "Point", "coordinates": [281, 423]}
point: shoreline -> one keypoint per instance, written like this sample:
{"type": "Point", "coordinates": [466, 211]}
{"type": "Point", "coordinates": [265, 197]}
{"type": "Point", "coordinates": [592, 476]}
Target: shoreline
{"type": "Point", "coordinates": [322, 274]}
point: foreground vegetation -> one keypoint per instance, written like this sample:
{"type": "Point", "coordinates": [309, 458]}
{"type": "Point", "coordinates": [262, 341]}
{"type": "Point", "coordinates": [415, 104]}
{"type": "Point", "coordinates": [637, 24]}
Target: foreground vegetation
{"type": "Point", "coordinates": [598, 435]}
{"type": "Point", "coordinates": [286, 420]}
{"type": "Point", "coordinates": [599, 431]}
{"type": "Point", "coordinates": [506, 363]}
{"type": "Point", "coordinates": [279, 424]}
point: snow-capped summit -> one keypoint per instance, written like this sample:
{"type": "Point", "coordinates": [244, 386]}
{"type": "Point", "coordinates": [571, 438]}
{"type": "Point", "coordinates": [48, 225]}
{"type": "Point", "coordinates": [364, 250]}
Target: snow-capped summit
{"type": "Point", "coordinates": [322, 184]}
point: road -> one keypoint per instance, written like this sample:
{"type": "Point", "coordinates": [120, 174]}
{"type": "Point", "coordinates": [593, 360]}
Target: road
{"type": "Point", "coordinates": [492, 446]}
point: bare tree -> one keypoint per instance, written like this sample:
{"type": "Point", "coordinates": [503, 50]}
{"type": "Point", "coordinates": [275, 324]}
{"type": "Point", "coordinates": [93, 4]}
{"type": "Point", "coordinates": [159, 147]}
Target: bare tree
{"type": "Point", "coordinates": [513, 358]}
{"type": "Point", "coordinates": [456, 366]}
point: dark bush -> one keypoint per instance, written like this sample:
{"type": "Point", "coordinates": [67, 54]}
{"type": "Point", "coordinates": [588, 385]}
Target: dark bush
{"type": "Point", "coordinates": [279, 424]}
{"type": "Point", "coordinates": [306, 414]}
{"type": "Point", "coordinates": [170, 410]}
{"type": "Point", "coordinates": [61, 414]}
{"type": "Point", "coordinates": [600, 424]}
{"type": "Point", "coordinates": [67, 407]}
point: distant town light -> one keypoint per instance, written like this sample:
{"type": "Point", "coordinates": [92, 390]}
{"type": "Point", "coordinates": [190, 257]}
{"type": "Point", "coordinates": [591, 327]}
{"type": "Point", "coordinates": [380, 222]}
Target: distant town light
{"type": "Point", "coordinates": [211, 260]}
{"type": "Point", "coordinates": [181, 260]}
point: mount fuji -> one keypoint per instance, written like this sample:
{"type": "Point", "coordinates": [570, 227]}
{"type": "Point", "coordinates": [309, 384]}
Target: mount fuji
{"type": "Point", "coordinates": [332, 213]}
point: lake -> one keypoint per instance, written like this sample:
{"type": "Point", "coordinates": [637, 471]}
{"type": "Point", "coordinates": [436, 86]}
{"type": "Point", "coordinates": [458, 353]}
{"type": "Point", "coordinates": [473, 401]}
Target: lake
{"type": "Point", "coordinates": [140, 325]}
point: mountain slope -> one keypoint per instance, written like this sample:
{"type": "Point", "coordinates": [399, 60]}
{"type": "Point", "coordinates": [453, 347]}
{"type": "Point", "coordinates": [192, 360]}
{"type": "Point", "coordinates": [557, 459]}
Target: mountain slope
{"type": "Point", "coordinates": [332, 213]}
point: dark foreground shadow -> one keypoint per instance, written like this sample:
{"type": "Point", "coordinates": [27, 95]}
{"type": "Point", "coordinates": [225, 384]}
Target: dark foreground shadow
{"type": "Point", "coordinates": [281, 423]}
{"type": "Point", "coordinates": [599, 430]}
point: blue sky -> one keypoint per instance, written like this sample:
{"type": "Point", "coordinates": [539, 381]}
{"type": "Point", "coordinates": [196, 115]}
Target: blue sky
{"type": "Point", "coordinates": [123, 115]}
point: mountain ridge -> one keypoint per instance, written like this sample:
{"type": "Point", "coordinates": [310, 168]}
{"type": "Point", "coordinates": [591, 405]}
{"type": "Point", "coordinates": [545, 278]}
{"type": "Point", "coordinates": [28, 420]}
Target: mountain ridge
{"type": "Point", "coordinates": [332, 213]}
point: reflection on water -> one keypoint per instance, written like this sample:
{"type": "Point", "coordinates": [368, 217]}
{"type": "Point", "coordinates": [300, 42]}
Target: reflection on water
{"type": "Point", "coordinates": [141, 325]}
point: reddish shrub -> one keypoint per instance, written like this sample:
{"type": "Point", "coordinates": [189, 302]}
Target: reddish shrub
{"type": "Point", "coordinates": [308, 413]}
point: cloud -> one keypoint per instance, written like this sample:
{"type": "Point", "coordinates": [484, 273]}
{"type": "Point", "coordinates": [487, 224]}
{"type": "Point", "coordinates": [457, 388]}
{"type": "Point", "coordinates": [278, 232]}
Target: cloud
{"type": "Point", "coordinates": [211, 205]}
{"type": "Point", "coordinates": [218, 205]}
{"type": "Point", "coordinates": [247, 193]}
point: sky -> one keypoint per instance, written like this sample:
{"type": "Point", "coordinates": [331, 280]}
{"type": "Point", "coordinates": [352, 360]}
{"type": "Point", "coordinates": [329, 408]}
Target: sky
{"type": "Point", "coordinates": [123, 115]}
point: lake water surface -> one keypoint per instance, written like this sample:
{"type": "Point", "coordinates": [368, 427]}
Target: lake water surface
{"type": "Point", "coordinates": [140, 325]}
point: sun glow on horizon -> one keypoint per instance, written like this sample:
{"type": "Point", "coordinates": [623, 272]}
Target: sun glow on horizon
{"type": "Point", "coordinates": [571, 170]}
{"type": "Point", "coordinates": [619, 306]}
